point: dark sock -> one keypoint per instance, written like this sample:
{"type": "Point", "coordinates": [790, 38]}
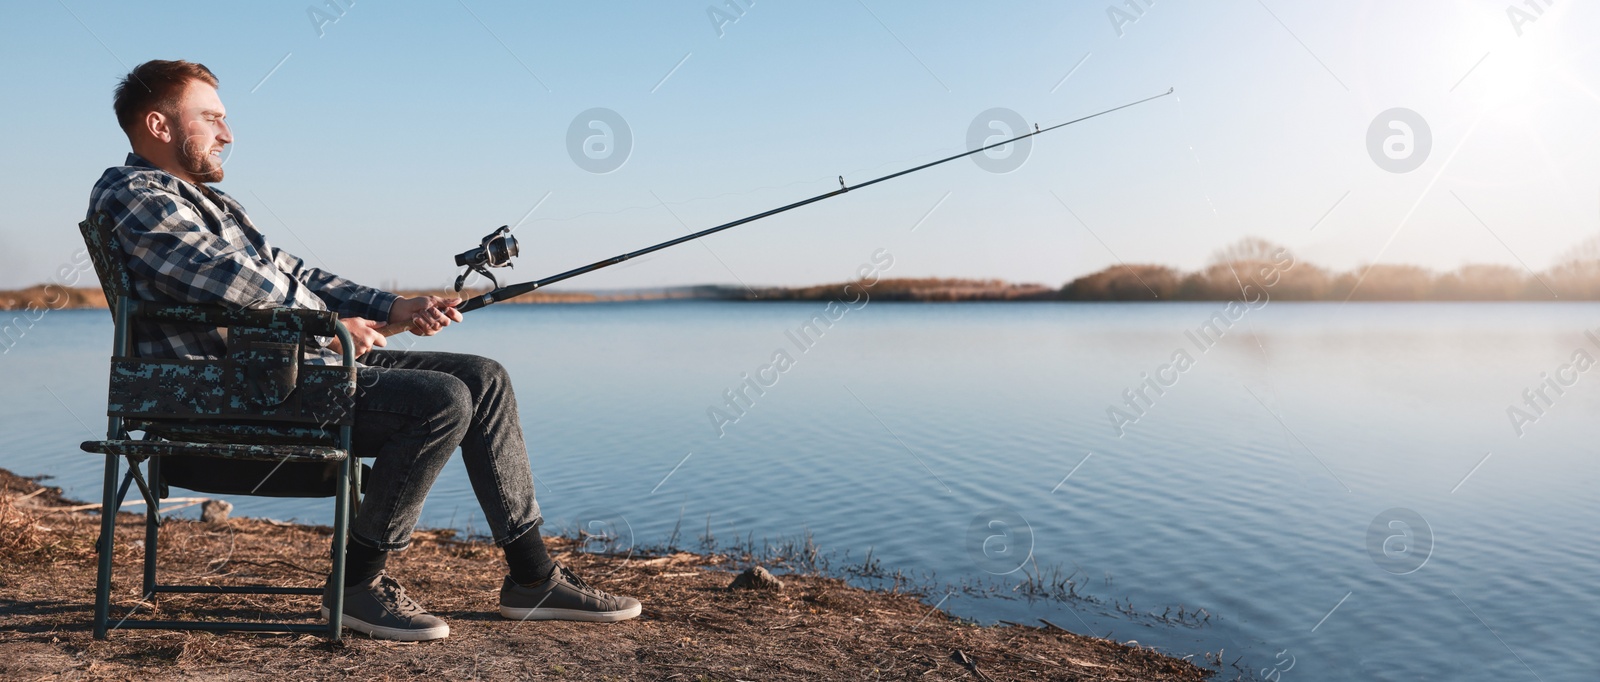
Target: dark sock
{"type": "Point", "coordinates": [530, 562]}
{"type": "Point", "coordinates": [362, 563]}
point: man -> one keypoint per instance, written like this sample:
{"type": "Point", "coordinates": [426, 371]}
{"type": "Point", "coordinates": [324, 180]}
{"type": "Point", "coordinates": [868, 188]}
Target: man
{"type": "Point", "coordinates": [188, 242]}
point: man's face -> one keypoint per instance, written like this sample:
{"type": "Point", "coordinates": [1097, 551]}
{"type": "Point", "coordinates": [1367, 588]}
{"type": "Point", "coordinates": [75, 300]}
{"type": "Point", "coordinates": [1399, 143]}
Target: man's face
{"type": "Point", "coordinates": [200, 132]}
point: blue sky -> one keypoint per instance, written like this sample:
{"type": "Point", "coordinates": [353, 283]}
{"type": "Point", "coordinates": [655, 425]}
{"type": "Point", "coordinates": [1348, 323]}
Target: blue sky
{"type": "Point", "coordinates": [406, 130]}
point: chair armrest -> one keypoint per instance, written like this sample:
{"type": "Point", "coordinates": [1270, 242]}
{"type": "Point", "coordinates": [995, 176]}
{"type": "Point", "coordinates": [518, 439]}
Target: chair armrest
{"type": "Point", "coordinates": [315, 322]}
{"type": "Point", "coordinates": [305, 320]}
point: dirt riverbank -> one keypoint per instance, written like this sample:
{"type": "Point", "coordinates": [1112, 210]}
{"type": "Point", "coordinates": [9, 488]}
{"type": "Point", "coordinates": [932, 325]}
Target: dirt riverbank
{"type": "Point", "coordinates": [693, 627]}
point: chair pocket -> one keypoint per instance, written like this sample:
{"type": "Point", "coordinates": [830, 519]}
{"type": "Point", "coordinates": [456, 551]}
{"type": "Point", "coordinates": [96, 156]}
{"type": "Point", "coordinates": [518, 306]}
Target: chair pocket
{"type": "Point", "coordinates": [263, 367]}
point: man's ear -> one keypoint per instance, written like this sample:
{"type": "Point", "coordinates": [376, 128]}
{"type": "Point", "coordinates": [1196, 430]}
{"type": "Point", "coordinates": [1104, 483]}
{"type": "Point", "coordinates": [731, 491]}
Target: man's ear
{"type": "Point", "coordinates": [158, 126]}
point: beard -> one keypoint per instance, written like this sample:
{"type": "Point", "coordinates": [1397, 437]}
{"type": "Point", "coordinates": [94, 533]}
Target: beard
{"type": "Point", "coordinates": [195, 158]}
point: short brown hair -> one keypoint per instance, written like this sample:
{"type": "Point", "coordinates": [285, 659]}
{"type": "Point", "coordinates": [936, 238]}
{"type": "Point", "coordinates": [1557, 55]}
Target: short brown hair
{"type": "Point", "coordinates": [155, 85]}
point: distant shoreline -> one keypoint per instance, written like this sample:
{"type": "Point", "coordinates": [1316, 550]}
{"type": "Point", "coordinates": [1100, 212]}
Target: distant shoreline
{"type": "Point", "coordinates": [1243, 271]}
{"type": "Point", "coordinates": [50, 297]}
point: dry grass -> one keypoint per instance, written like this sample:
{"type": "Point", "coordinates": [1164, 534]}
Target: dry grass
{"type": "Point", "coordinates": [29, 533]}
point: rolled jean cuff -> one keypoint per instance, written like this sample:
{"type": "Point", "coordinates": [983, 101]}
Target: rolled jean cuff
{"type": "Point", "coordinates": [519, 531]}
{"type": "Point", "coordinates": [380, 545]}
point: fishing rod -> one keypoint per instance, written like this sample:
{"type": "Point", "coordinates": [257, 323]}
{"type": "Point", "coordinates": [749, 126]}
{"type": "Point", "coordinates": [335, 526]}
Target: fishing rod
{"type": "Point", "coordinates": [500, 247]}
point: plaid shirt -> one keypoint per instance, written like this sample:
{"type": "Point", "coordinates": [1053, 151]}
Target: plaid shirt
{"type": "Point", "coordinates": [190, 243]}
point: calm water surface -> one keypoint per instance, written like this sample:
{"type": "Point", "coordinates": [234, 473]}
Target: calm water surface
{"type": "Point", "coordinates": [947, 438]}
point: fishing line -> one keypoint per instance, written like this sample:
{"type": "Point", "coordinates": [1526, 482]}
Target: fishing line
{"type": "Point", "coordinates": [499, 247]}
{"type": "Point", "coordinates": [1205, 191]}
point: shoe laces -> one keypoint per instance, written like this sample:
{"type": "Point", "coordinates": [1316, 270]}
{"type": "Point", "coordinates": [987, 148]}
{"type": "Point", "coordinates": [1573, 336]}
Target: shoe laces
{"type": "Point", "coordinates": [396, 595]}
{"type": "Point", "coordinates": [572, 579]}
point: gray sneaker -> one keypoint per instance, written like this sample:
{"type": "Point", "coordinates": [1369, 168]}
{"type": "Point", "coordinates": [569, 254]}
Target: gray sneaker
{"type": "Point", "coordinates": [382, 609]}
{"type": "Point", "coordinates": [564, 596]}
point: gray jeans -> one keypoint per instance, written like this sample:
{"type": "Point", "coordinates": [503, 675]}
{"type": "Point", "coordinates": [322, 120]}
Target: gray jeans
{"type": "Point", "coordinates": [412, 409]}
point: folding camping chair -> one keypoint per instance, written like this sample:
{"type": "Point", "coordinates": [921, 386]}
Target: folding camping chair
{"type": "Point", "coordinates": [257, 422]}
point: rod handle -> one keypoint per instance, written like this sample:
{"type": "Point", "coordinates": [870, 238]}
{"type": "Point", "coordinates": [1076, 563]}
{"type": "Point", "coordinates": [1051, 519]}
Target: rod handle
{"type": "Point", "coordinates": [396, 328]}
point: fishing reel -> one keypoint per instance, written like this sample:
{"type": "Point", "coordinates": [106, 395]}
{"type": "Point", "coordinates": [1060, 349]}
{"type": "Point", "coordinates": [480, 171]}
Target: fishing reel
{"type": "Point", "coordinates": [496, 251]}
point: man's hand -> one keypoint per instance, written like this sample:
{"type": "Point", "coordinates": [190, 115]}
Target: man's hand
{"type": "Point", "coordinates": [363, 332]}
{"type": "Point", "coordinates": [427, 314]}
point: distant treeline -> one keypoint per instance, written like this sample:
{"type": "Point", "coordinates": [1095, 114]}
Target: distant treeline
{"type": "Point", "coordinates": [52, 297]}
{"type": "Point", "coordinates": [1576, 276]}
{"type": "Point", "coordinates": [1250, 262]}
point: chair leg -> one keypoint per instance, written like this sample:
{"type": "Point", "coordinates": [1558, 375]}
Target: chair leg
{"type": "Point", "coordinates": [122, 492]}
{"type": "Point", "coordinates": [341, 531]}
{"type": "Point", "coordinates": [108, 520]}
{"type": "Point", "coordinates": [152, 527]}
